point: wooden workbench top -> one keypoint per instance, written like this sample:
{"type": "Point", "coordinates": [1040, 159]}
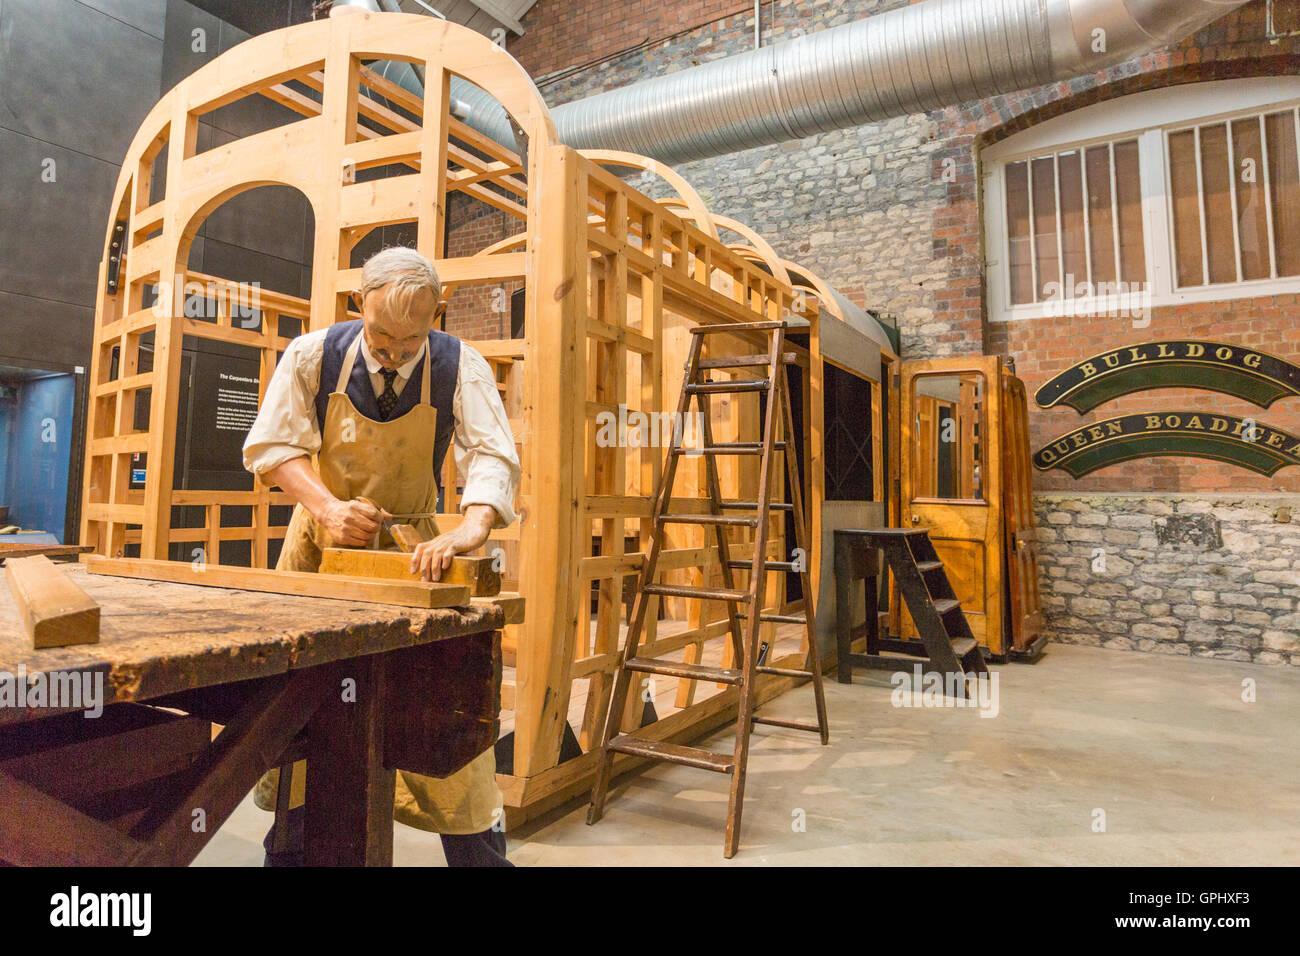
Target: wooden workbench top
{"type": "Point", "coordinates": [159, 638]}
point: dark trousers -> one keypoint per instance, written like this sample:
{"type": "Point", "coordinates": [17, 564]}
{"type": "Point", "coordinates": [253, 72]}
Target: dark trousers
{"type": "Point", "coordinates": [471, 849]}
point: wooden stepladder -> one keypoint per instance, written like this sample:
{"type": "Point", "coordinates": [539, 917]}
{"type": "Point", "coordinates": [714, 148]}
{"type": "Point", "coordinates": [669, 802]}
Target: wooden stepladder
{"type": "Point", "coordinates": [940, 621]}
{"type": "Point", "coordinates": [742, 604]}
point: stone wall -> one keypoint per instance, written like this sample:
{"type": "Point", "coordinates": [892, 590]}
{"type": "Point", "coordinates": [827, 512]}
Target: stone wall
{"type": "Point", "coordinates": [1205, 575]}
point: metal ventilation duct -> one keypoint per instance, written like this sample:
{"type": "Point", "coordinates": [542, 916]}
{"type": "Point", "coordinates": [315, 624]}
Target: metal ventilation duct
{"type": "Point", "coordinates": [923, 56]}
{"type": "Point", "coordinates": [920, 57]}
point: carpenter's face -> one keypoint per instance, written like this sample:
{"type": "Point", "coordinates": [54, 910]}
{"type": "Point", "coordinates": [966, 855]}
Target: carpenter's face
{"type": "Point", "coordinates": [392, 341]}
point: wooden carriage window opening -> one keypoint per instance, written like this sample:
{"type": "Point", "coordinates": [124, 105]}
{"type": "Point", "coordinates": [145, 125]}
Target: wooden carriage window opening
{"type": "Point", "coordinates": [1074, 216]}
{"type": "Point", "coordinates": [947, 446]}
{"type": "Point", "coordinates": [847, 430]}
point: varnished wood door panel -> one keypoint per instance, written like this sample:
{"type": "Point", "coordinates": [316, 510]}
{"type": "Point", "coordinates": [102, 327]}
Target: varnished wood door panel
{"type": "Point", "coordinates": [952, 485]}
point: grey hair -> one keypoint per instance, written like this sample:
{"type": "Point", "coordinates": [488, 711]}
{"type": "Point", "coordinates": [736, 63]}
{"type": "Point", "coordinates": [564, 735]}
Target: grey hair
{"type": "Point", "coordinates": [406, 272]}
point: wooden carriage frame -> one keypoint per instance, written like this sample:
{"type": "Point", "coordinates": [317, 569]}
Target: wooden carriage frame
{"type": "Point", "coordinates": [613, 278]}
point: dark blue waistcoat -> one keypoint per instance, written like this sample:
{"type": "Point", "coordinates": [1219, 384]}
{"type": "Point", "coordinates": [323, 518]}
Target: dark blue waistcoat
{"type": "Point", "coordinates": [443, 349]}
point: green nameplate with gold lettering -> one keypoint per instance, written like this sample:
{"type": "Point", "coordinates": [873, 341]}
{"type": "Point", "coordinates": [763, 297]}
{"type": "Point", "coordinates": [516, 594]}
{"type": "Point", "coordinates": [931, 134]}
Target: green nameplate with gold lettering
{"type": "Point", "coordinates": [1225, 438]}
{"type": "Point", "coordinates": [1249, 374]}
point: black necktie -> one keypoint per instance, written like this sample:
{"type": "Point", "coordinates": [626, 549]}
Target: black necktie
{"type": "Point", "coordinates": [388, 398]}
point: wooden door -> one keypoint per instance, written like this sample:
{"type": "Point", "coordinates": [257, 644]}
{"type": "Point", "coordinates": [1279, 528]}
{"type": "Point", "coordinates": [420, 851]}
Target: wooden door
{"type": "Point", "coordinates": [1025, 615]}
{"type": "Point", "coordinates": [951, 458]}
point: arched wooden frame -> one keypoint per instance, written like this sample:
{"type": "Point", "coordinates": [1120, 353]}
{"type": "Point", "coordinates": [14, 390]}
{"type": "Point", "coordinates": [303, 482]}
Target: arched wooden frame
{"type": "Point", "coordinates": [613, 282]}
{"type": "Point", "coordinates": [686, 199]}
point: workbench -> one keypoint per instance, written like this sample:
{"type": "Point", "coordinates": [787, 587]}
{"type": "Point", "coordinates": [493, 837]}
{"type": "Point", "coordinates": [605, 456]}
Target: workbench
{"type": "Point", "coordinates": [358, 689]}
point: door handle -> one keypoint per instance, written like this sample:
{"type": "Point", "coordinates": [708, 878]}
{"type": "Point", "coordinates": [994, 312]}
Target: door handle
{"type": "Point", "coordinates": [916, 519]}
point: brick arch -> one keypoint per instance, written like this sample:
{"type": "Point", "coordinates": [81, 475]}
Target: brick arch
{"type": "Point", "coordinates": [1065, 98]}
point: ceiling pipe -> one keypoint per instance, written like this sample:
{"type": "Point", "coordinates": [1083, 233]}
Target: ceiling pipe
{"type": "Point", "coordinates": [410, 76]}
{"type": "Point", "coordinates": [914, 58]}
{"type": "Point", "coordinates": [911, 59]}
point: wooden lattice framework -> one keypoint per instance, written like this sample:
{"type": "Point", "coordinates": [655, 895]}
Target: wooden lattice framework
{"type": "Point", "coordinates": [613, 278]}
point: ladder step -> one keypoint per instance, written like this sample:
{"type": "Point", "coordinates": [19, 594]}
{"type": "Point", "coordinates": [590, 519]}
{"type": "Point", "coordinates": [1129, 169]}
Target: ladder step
{"type": "Point", "coordinates": [707, 519]}
{"type": "Point", "coordinates": [674, 753]}
{"type": "Point", "coordinates": [753, 505]}
{"type": "Point", "coordinates": [722, 675]}
{"type": "Point", "coordinates": [738, 327]}
{"type": "Point", "coordinates": [963, 646]}
{"type": "Point", "coordinates": [767, 565]}
{"type": "Point", "coordinates": [775, 618]}
{"type": "Point", "coordinates": [945, 605]}
{"type": "Point", "coordinates": [740, 385]}
{"type": "Point", "coordinates": [733, 448]}
{"type": "Point", "coordinates": [783, 671]}
{"type": "Point", "coordinates": [745, 361]}
{"type": "Point", "coordinates": [793, 724]}
{"type": "Point", "coordinates": [708, 594]}
{"type": "Point", "coordinates": [924, 566]}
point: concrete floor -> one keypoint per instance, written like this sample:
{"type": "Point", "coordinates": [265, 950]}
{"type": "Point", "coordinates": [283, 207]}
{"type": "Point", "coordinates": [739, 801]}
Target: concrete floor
{"type": "Point", "coordinates": [1184, 771]}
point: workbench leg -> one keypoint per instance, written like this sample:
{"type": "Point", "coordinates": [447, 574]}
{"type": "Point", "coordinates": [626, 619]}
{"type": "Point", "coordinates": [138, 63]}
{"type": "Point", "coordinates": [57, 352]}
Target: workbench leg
{"type": "Point", "coordinates": [843, 611]}
{"type": "Point", "coordinates": [871, 600]}
{"type": "Point", "coordinates": [349, 791]}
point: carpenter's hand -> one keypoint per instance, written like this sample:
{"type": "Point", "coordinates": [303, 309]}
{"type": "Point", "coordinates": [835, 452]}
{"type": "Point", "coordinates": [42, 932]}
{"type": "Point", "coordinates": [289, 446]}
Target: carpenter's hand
{"type": "Point", "coordinates": [351, 524]}
{"type": "Point", "coordinates": [431, 558]}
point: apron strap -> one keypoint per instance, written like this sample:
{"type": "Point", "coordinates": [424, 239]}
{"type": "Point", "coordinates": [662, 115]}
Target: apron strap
{"type": "Point", "coordinates": [349, 359]}
{"type": "Point", "coordinates": [428, 361]}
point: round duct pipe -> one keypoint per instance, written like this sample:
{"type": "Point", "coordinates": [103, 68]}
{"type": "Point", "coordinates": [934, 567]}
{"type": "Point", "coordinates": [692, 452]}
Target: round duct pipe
{"type": "Point", "coordinates": [914, 58]}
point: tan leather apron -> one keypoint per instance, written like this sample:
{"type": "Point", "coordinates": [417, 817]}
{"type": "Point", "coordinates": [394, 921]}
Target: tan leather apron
{"type": "Point", "coordinates": [388, 462]}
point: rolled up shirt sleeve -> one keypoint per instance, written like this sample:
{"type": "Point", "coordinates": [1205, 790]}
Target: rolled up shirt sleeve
{"type": "Point", "coordinates": [285, 426]}
{"type": "Point", "coordinates": [483, 444]}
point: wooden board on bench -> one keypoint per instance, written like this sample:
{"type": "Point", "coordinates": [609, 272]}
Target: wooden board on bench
{"type": "Point", "coordinates": [476, 574]}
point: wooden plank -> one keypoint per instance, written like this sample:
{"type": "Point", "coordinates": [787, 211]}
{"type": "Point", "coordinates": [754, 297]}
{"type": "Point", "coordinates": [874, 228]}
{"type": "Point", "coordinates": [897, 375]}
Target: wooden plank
{"type": "Point", "coordinates": [54, 611]}
{"type": "Point", "coordinates": [420, 594]}
{"type": "Point", "coordinates": [512, 603]}
{"type": "Point", "coordinates": [49, 550]}
{"type": "Point", "coordinates": [474, 573]}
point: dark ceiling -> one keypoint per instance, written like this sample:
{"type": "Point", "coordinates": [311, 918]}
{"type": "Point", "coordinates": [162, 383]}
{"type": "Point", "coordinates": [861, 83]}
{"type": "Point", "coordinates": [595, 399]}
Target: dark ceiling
{"type": "Point", "coordinates": [258, 16]}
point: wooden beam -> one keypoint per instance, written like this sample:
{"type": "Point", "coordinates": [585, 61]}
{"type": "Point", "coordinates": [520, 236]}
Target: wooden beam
{"type": "Point", "coordinates": [65, 837]}
{"type": "Point", "coordinates": [54, 611]}
{"type": "Point", "coordinates": [8, 551]}
{"type": "Point", "coordinates": [419, 594]}
{"type": "Point", "coordinates": [511, 602]}
{"type": "Point", "coordinates": [474, 573]}
{"type": "Point", "coordinates": [216, 782]}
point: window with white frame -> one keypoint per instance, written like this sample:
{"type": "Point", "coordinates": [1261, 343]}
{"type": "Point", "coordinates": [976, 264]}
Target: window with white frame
{"type": "Point", "coordinates": [1185, 194]}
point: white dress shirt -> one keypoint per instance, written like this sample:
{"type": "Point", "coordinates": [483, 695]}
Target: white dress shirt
{"type": "Point", "coordinates": [483, 446]}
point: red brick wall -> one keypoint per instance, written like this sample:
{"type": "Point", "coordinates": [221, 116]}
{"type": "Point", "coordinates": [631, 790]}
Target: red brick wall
{"type": "Point", "coordinates": [562, 35]}
{"type": "Point", "coordinates": [481, 311]}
